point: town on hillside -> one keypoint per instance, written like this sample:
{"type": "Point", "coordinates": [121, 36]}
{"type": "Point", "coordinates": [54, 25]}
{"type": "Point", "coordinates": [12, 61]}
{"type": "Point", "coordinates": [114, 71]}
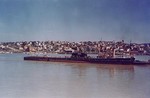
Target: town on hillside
{"type": "Point", "coordinates": [63, 47]}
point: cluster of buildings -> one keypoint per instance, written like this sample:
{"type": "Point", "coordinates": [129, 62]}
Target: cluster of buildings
{"type": "Point", "coordinates": [103, 47]}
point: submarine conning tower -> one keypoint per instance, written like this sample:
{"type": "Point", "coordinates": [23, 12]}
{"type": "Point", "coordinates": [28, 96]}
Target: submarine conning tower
{"type": "Point", "coordinates": [78, 55]}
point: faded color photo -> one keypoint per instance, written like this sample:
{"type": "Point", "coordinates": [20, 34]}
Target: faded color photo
{"type": "Point", "coordinates": [74, 48]}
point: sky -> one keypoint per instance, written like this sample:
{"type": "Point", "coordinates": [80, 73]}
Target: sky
{"type": "Point", "coordinates": [75, 20]}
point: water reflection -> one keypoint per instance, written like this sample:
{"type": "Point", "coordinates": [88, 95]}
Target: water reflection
{"type": "Point", "coordinates": [112, 70]}
{"type": "Point", "coordinates": [94, 81]}
{"type": "Point", "coordinates": [24, 79]}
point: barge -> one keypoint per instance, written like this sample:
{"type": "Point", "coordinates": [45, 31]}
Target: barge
{"type": "Point", "coordinates": [83, 58]}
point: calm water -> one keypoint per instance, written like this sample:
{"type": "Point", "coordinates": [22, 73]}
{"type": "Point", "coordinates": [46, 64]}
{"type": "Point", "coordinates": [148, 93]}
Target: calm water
{"type": "Point", "coordinates": [28, 79]}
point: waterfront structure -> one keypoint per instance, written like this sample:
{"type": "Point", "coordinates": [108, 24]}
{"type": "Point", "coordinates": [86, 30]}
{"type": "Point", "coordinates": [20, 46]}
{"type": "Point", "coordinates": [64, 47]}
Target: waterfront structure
{"type": "Point", "coordinates": [105, 47]}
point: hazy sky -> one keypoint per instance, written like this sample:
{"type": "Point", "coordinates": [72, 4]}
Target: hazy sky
{"type": "Point", "coordinates": [75, 20]}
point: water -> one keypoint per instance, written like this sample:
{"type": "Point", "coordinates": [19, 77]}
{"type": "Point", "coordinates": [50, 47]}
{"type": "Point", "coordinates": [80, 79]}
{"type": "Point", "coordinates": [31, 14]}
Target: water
{"type": "Point", "coordinates": [30, 79]}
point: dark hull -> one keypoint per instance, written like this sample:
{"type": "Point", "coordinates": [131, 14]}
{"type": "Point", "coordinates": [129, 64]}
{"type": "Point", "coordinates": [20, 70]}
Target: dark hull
{"type": "Point", "coordinates": [127, 61]}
